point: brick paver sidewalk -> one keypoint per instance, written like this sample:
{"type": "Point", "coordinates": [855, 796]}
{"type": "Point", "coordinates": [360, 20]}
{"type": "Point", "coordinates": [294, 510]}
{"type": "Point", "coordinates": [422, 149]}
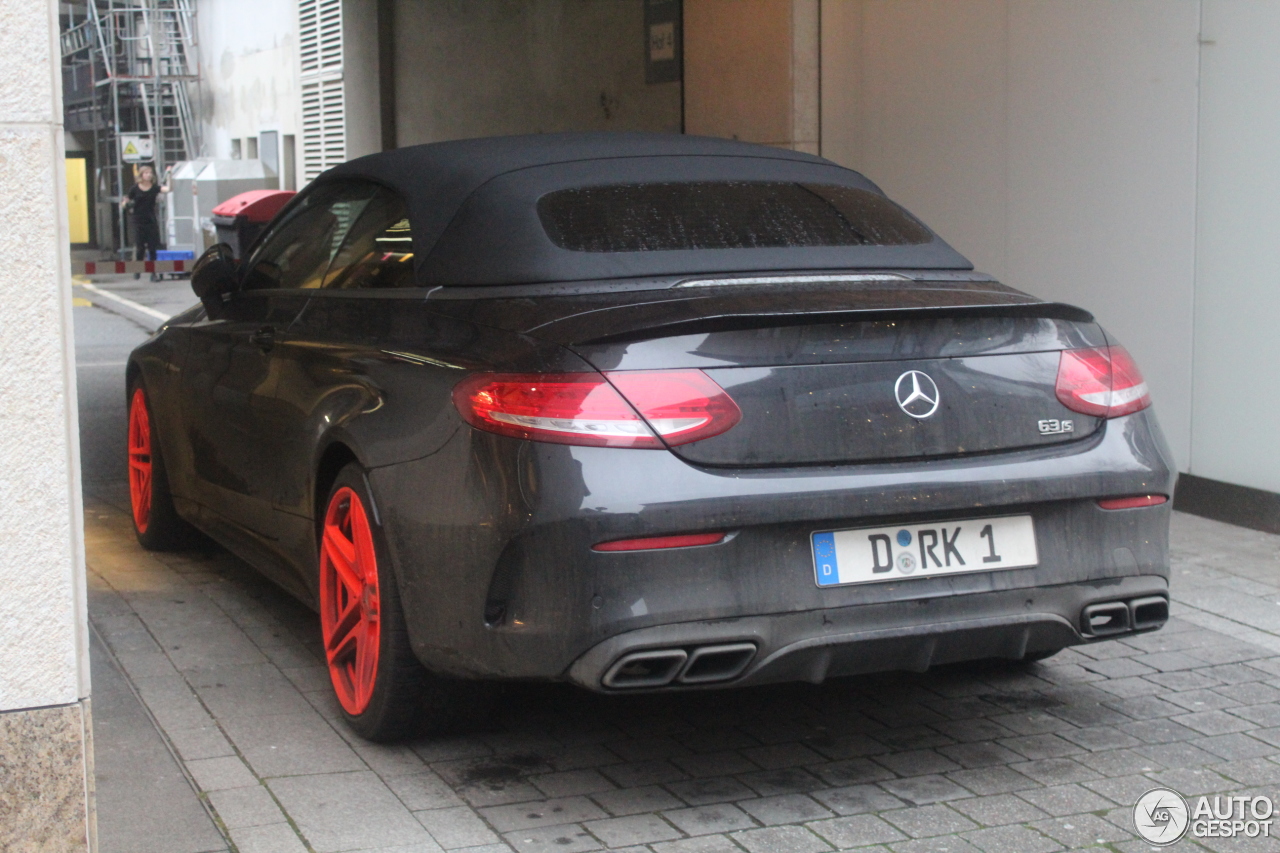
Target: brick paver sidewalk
{"type": "Point", "coordinates": [996, 759]}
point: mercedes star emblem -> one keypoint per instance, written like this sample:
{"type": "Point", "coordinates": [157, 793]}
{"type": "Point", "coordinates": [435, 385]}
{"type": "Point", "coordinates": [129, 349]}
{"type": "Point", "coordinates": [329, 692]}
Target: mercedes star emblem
{"type": "Point", "coordinates": [917, 394]}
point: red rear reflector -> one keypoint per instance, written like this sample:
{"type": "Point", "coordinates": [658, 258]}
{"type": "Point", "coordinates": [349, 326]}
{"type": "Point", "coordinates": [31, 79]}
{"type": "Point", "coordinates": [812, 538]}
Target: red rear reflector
{"type": "Point", "coordinates": [684, 541]}
{"type": "Point", "coordinates": [1101, 381]}
{"type": "Point", "coordinates": [678, 406]}
{"type": "Point", "coordinates": [1132, 501]}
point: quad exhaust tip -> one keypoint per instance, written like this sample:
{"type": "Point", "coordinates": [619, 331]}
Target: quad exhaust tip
{"type": "Point", "coordinates": [660, 667]}
{"type": "Point", "coordinates": [1123, 617]}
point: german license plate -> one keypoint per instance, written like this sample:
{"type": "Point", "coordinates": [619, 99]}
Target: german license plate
{"type": "Point", "coordinates": [871, 554]}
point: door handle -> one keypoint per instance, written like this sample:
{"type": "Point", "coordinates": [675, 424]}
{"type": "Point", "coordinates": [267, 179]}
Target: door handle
{"type": "Point", "coordinates": [264, 339]}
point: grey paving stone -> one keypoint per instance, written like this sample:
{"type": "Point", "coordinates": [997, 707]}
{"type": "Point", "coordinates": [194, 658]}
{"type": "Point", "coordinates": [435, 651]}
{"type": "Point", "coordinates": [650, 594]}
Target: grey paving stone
{"type": "Point", "coordinates": [944, 844]}
{"type": "Point", "coordinates": [970, 730]}
{"type": "Point", "coordinates": [1100, 738]}
{"type": "Point", "coordinates": [347, 811]}
{"type": "Point", "coordinates": [242, 807]}
{"type": "Point", "coordinates": [1174, 755]}
{"type": "Point", "coordinates": [457, 827]}
{"type": "Point", "coordinates": [714, 764]}
{"type": "Point", "coordinates": [636, 773]}
{"type": "Point", "coordinates": [698, 792]}
{"type": "Point", "coordinates": [1124, 790]}
{"type": "Point", "coordinates": [291, 744]}
{"type": "Point", "coordinates": [422, 790]}
{"type": "Point", "coordinates": [200, 742]}
{"type": "Point", "coordinates": [1036, 747]}
{"type": "Point", "coordinates": [1256, 771]}
{"type": "Point", "coordinates": [854, 771]}
{"type": "Point", "coordinates": [1057, 771]}
{"type": "Point", "coordinates": [570, 838]}
{"type": "Point", "coordinates": [922, 790]}
{"type": "Point", "coordinates": [776, 756]}
{"type": "Point", "coordinates": [218, 774]}
{"type": "Point", "coordinates": [542, 813]}
{"type": "Point", "coordinates": [917, 762]}
{"type": "Point", "coordinates": [992, 780]}
{"type": "Point", "coordinates": [1219, 722]}
{"type": "Point", "coordinates": [709, 819]}
{"type": "Point", "coordinates": [1158, 731]}
{"type": "Point", "coordinates": [787, 808]}
{"type": "Point", "coordinates": [1011, 839]}
{"type": "Point", "coordinates": [704, 844]}
{"type": "Point", "coordinates": [1203, 700]}
{"type": "Point", "coordinates": [791, 780]}
{"type": "Point", "coordinates": [780, 839]}
{"type": "Point", "coordinates": [627, 801]}
{"type": "Point", "coordinates": [231, 692]}
{"type": "Point", "coordinates": [856, 831]}
{"type": "Point", "coordinates": [1065, 800]}
{"type": "Point", "coordinates": [632, 830]}
{"type": "Point", "coordinates": [1265, 715]}
{"type": "Point", "coordinates": [1081, 830]}
{"type": "Point", "coordinates": [998, 810]}
{"type": "Point", "coordinates": [275, 838]}
{"type": "Point", "coordinates": [858, 799]}
{"type": "Point", "coordinates": [1190, 781]}
{"type": "Point", "coordinates": [571, 783]}
{"type": "Point", "coordinates": [927, 821]}
{"type": "Point", "coordinates": [1146, 707]}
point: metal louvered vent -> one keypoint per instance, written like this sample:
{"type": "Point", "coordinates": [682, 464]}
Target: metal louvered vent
{"type": "Point", "coordinates": [324, 139]}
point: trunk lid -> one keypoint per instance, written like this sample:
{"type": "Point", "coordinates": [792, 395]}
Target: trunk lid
{"type": "Point", "coordinates": [836, 374]}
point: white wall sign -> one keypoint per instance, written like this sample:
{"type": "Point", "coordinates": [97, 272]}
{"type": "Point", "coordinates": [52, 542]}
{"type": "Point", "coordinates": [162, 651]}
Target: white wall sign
{"type": "Point", "coordinates": [135, 148]}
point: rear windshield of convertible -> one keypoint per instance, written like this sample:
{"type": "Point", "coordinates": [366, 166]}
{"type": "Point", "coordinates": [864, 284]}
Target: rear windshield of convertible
{"type": "Point", "coordinates": [723, 215]}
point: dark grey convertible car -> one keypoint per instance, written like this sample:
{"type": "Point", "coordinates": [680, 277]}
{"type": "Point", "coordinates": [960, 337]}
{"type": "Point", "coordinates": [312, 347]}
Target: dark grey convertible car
{"type": "Point", "coordinates": [644, 412]}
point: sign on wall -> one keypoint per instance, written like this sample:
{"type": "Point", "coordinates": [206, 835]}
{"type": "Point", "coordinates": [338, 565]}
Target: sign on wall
{"type": "Point", "coordinates": [136, 148]}
{"type": "Point", "coordinates": [663, 48]}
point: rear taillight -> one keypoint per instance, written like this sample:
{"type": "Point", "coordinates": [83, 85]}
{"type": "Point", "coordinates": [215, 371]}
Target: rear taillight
{"type": "Point", "coordinates": [678, 406]}
{"type": "Point", "coordinates": [1102, 381]}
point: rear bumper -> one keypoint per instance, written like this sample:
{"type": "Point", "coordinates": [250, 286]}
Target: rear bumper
{"type": "Point", "coordinates": [499, 579]}
{"type": "Point", "coordinates": [903, 635]}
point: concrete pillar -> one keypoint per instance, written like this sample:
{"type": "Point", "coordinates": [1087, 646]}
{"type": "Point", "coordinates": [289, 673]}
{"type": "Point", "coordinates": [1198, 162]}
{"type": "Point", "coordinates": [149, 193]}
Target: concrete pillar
{"type": "Point", "coordinates": [45, 747]}
{"type": "Point", "coordinates": [751, 71]}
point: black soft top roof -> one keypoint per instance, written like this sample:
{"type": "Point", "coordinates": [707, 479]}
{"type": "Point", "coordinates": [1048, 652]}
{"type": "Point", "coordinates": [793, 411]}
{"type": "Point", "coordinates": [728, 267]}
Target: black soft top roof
{"type": "Point", "coordinates": [473, 205]}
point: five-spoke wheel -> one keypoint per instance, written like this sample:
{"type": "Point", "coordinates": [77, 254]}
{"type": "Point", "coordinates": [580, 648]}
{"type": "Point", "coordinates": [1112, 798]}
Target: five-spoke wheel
{"type": "Point", "coordinates": [350, 618]}
{"type": "Point", "coordinates": [140, 460]}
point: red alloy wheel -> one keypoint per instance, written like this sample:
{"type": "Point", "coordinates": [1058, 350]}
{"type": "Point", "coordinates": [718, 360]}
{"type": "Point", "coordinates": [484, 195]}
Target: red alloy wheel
{"type": "Point", "coordinates": [140, 460]}
{"type": "Point", "coordinates": [349, 603]}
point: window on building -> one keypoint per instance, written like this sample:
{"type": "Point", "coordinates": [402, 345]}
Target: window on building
{"type": "Point", "coordinates": [723, 215]}
{"type": "Point", "coordinates": [235, 149]}
{"type": "Point", "coordinates": [251, 147]}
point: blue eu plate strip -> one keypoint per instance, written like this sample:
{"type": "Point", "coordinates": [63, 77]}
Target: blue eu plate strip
{"type": "Point", "coordinates": [824, 559]}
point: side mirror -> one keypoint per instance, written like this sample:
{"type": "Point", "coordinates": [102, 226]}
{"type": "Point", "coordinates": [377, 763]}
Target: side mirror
{"type": "Point", "coordinates": [213, 277]}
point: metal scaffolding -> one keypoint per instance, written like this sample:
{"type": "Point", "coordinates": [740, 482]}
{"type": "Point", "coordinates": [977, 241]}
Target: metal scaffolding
{"type": "Point", "coordinates": [129, 67]}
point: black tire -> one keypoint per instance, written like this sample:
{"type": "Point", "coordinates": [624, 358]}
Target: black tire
{"type": "Point", "coordinates": [406, 699]}
{"type": "Point", "coordinates": [163, 529]}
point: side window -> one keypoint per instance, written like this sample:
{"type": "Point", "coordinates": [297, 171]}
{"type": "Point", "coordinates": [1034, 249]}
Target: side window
{"type": "Point", "coordinates": [378, 250]}
{"type": "Point", "coordinates": [298, 251]}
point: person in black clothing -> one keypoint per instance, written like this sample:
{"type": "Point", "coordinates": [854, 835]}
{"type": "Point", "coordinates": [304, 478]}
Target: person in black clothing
{"type": "Point", "coordinates": [146, 225]}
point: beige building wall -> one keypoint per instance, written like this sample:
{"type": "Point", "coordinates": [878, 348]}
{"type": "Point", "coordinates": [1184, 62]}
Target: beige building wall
{"type": "Point", "coordinates": [249, 73]}
{"type": "Point", "coordinates": [751, 71]}
{"type": "Point", "coordinates": [45, 752]}
{"type": "Point", "coordinates": [1053, 143]}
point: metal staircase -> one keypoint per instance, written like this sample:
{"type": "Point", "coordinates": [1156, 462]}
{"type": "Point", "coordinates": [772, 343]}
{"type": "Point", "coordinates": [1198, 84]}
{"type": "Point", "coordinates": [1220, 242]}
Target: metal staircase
{"type": "Point", "coordinates": [130, 67]}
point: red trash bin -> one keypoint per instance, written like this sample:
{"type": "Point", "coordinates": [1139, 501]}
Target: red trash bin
{"type": "Point", "coordinates": [240, 219]}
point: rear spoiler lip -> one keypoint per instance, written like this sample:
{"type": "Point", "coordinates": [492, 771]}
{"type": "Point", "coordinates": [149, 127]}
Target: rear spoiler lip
{"type": "Point", "coordinates": [742, 322]}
